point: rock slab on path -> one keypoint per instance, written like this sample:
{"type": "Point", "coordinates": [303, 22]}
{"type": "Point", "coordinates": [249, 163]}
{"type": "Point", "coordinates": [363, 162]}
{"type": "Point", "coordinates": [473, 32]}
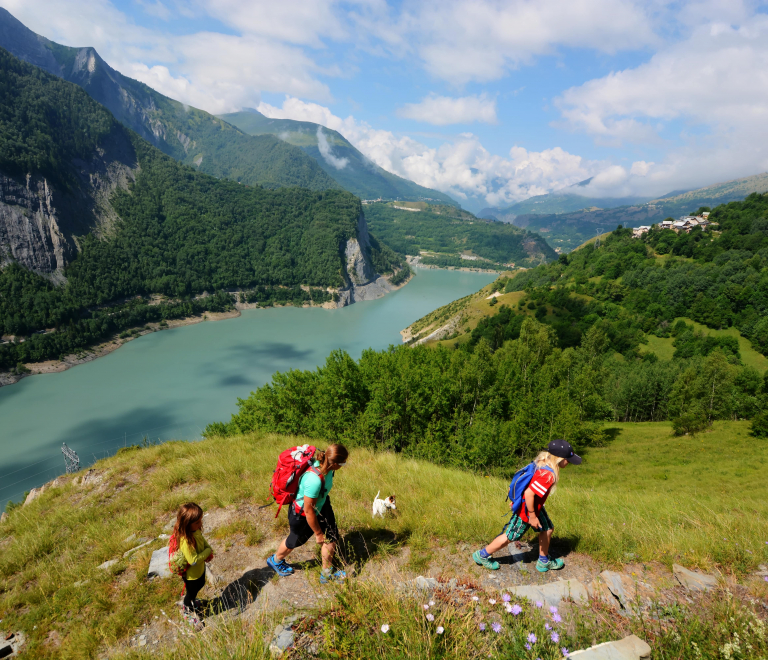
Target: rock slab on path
{"type": "Point", "coordinates": [553, 592]}
{"type": "Point", "coordinates": [158, 565]}
{"type": "Point", "coordinates": [629, 648]}
{"type": "Point", "coordinates": [694, 581]}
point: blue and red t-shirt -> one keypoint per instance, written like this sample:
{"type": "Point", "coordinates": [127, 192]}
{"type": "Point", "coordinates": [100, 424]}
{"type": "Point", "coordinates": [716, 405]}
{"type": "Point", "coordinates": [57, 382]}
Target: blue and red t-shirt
{"type": "Point", "coordinates": [542, 482]}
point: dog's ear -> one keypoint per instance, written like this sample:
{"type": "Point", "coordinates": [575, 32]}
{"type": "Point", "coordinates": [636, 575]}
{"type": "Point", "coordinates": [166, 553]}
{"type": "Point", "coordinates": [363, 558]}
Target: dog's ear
{"type": "Point", "coordinates": [392, 497]}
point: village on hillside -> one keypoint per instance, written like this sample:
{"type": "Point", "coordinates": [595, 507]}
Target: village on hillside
{"type": "Point", "coordinates": [686, 224]}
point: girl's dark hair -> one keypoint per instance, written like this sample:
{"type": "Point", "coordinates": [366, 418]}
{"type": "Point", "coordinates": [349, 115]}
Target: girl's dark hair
{"type": "Point", "coordinates": [333, 454]}
{"type": "Point", "coordinates": [187, 516]}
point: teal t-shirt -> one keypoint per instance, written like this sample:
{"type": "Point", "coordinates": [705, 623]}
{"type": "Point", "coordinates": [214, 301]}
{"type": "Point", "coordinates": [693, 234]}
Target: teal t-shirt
{"type": "Point", "coordinates": [310, 485]}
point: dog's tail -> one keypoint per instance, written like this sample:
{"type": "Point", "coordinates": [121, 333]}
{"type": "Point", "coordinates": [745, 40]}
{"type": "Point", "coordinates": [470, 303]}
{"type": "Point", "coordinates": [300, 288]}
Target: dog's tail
{"type": "Point", "coordinates": [377, 496]}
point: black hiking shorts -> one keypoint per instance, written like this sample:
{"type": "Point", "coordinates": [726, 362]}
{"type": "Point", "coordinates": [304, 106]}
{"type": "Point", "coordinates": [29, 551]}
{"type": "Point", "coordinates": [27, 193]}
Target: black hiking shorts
{"type": "Point", "coordinates": [301, 532]}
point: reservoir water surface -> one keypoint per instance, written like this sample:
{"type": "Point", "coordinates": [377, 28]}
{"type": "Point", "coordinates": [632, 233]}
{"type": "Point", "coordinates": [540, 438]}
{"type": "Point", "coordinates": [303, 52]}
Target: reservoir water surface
{"type": "Point", "coordinates": [170, 384]}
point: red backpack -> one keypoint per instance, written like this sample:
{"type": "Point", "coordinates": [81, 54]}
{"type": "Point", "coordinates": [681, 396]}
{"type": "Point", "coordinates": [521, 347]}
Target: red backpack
{"type": "Point", "coordinates": [291, 465]}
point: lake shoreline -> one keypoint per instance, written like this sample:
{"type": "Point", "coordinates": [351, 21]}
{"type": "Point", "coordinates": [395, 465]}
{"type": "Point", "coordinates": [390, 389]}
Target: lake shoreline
{"type": "Point", "coordinates": [115, 342]}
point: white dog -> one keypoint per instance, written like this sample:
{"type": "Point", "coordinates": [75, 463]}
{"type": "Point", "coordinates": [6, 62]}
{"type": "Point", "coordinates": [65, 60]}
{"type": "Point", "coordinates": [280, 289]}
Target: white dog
{"type": "Point", "coordinates": [380, 506]}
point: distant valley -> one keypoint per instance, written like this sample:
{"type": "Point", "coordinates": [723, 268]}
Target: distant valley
{"type": "Point", "coordinates": [567, 230]}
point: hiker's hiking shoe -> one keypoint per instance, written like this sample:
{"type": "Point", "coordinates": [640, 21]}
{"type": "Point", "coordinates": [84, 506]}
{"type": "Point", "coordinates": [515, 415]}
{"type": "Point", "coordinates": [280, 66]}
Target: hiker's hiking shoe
{"type": "Point", "coordinates": [485, 562]}
{"type": "Point", "coordinates": [192, 619]}
{"type": "Point", "coordinates": [333, 577]}
{"type": "Point", "coordinates": [282, 568]}
{"type": "Point", "coordinates": [551, 565]}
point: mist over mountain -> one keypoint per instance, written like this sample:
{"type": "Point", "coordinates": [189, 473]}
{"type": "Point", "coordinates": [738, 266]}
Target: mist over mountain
{"type": "Point", "coordinates": [337, 157]}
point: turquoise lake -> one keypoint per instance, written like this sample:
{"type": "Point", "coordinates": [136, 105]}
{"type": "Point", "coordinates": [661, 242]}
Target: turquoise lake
{"type": "Point", "coordinates": [171, 384]}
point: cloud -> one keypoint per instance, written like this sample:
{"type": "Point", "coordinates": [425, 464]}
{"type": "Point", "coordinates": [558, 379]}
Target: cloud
{"type": "Point", "coordinates": [463, 168]}
{"type": "Point", "coordinates": [443, 110]}
{"type": "Point", "coordinates": [327, 153]}
{"type": "Point", "coordinates": [703, 100]}
{"type": "Point", "coordinates": [460, 41]}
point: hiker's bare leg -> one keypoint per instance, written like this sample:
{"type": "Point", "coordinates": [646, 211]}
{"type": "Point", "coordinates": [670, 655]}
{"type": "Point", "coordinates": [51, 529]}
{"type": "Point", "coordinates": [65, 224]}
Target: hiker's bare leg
{"type": "Point", "coordinates": [501, 541]}
{"type": "Point", "coordinates": [327, 553]}
{"type": "Point", "coordinates": [544, 539]}
{"type": "Point", "coordinates": [282, 552]}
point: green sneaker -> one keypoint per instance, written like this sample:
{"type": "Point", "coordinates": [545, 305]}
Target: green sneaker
{"type": "Point", "coordinates": [485, 562]}
{"type": "Point", "coordinates": [551, 565]}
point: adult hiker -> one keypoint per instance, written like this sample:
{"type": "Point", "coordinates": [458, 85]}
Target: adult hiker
{"type": "Point", "coordinates": [528, 491]}
{"type": "Point", "coordinates": [311, 514]}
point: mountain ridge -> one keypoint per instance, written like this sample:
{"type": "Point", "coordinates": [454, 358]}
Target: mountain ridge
{"type": "Point", "coordinates": [338, 157]}
{"type": "Point", "coordinates": [191, 136]}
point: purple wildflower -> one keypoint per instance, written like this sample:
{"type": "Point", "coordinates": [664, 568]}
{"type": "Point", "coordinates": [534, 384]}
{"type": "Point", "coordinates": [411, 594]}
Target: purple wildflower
{"type": "Point", "coordinates": [539, 604]}
{"type": "Point", "coordinates": [766, 579]}
{"type": "Point", "coordinates": [554, 637]}
{"type": "Point", "coordinates": [528, 646]}
{"type": "Point", "coordinates": [506, 598]}
{"type": "Point", "coordinates": [553, 609]}
{"type": "Point", "coordinates": [482, 627]}
{"type": "Point", "coordinates": [496, 627]}
{"type": "Point", "coordinates": [531, 638]}
{"type": "Point", "coordinates": [515, 609]}
{"type": "Point", "coordinates": [566, 652]}
{"type": "Point", "coordinates": [556, 618]}
{"type": "Point", "coordinates": [547, 626]}
{"type": "Point", "coordinates": [430, 617]}
{"type": "Point", "coordinates": [426, 607]}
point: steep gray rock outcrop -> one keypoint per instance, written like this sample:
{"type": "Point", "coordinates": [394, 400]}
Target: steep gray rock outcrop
{"type": "Point", "coordinates": [39, 223]}
{"type": "Point", "coordinates": [361, 280]}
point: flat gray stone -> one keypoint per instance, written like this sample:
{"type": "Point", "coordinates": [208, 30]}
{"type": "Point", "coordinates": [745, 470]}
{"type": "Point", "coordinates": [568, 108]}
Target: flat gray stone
{"type": "Point", "coordinates": [144, 541]}
{"type": "Point", "coordinates": [281, 642]}
{"type": "Point", "coordinates": [762, 570]}
{"type": "Point", "coordinates": [420, 585]}
{"type": "Point", "coordinates": [619, 585]}
{"type": "Point", "coordinates": [107, 564]}
{"type": "Point", "coordinates": [694, 581]}
{"type": "Point", "coordinates": [629, 648]}
{"type": "Point", "coordinates": [158, 564]}
{"type": "Point", "coordinates": [554, 592]}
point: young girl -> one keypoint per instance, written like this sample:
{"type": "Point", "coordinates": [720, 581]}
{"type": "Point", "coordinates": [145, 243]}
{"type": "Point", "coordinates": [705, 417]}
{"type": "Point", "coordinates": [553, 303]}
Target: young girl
{"type": "Point", "coordinates": [196, 554]}
{"type": "Point", "coordinates": [532, 512]}
{"type": "Point", "coordinates": [312, 513]}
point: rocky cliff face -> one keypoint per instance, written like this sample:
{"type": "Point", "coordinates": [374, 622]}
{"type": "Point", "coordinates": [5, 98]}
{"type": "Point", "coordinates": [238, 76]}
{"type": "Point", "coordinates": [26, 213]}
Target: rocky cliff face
{"type": "Point", "coordinates": [362, 281]}
{"type": "Point", "coordinates": [39, 224]}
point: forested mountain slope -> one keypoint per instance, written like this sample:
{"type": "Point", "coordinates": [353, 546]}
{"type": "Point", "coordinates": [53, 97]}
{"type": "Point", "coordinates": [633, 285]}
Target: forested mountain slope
{"type": "Point", "coordinates": [446, 235]}
{"type": "Point", "coordinates": [189, 135]}
{"type": "Point", "coordinates": [340, 160]}
{"type": "Point", "coordinates": [87, 200]}
{"type": "Point", "coordinates": [554, 352]}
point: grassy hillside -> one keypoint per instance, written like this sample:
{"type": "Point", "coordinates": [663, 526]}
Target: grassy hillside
{"type": "Point", "coordinates": [449, 235]}
{"type": "Point", "coordinates": [342, 161]}
{"type": "Point", "coordinates": [644, 498]}
{"type": "Point", "coordinates": [189, 135]}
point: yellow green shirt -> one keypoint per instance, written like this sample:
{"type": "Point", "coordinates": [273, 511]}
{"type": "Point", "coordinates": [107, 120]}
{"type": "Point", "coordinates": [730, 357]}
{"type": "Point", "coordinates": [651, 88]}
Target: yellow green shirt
{"type": "Point", "coordinates": [195, 556]}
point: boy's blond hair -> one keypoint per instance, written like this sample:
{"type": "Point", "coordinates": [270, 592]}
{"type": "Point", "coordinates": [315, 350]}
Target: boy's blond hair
{"type": "Point", "coordinates": [545, 459]}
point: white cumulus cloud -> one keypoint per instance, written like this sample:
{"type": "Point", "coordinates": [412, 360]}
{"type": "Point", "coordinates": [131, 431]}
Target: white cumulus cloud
{"type": "Point", "coordinates": [462, 168]}
{"type": "Point", "coordinates": [444, 110]}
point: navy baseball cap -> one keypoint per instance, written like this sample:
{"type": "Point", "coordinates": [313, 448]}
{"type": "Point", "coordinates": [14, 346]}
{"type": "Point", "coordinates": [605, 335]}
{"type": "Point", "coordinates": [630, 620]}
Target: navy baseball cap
{"type": "Point", "coordinates": [562, 449]}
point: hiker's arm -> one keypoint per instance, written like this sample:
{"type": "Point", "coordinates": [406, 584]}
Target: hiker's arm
{"type": "Point", "coordinates": [192, 556]}
{"type": "Point", "coordinates": [312, 521]}
{"type": "Point", "coordinates": [532, 518]}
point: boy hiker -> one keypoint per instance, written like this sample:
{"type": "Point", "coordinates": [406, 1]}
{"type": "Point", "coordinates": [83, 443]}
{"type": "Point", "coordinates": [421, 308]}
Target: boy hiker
{"type": "Point", "coordinates": [528, 506]}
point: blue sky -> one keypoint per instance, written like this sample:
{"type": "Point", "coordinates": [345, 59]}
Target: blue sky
{"type": "Point", "coordinates": [488, 101]}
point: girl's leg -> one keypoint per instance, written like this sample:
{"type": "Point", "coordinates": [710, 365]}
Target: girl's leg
{"type": "Point", "coordinates": [193, 588]}
{"type": "Point", "coordinates": [544, 540]}
{"type": "Point", "coordinates": [501, 541]}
